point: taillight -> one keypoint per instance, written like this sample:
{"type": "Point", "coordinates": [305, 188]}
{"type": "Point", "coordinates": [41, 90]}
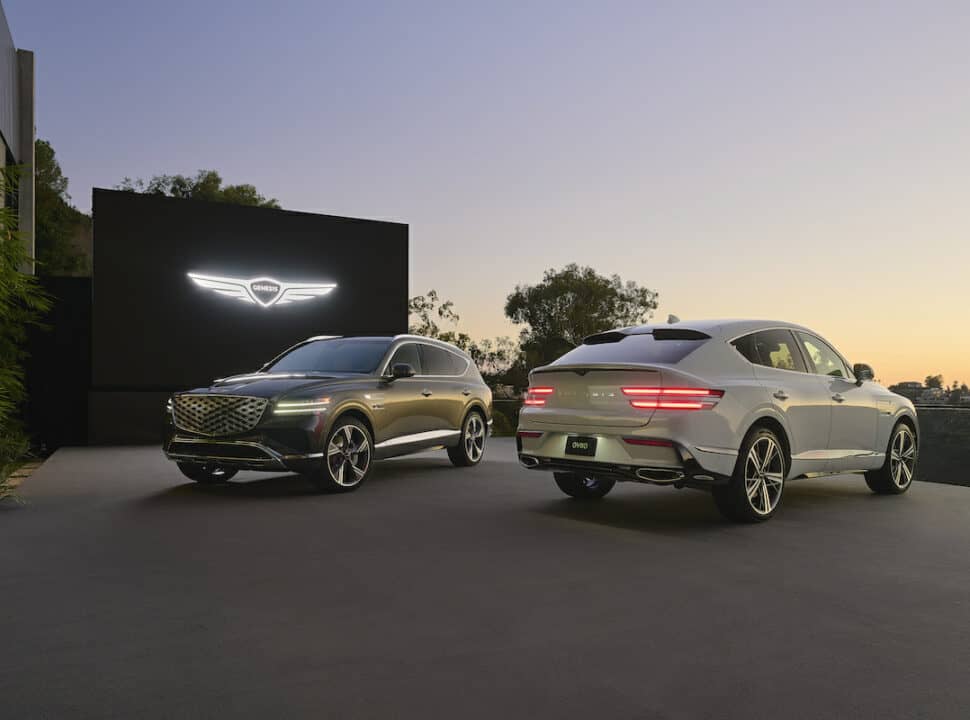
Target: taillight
{"type": "Point", "coordinates": [529, 434]}
{"type": "Point", "coordinates": [536, 396]}
{"type": "Point", "coordinates": [672, 398]}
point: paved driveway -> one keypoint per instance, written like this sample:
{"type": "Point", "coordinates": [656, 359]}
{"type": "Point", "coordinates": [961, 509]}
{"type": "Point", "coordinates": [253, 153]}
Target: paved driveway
{"type": "Point", "coordinates": [434, 592]}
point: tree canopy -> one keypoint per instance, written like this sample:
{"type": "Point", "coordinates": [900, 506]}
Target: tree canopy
{"type": "Point", "coordinates": [204, 185]}
{"type": "Point", "coordinates": [933, 381]}
{"type": "Point", "coordinates": [571, 304]}
{"type": "Point", "coordinates": [58, 224]}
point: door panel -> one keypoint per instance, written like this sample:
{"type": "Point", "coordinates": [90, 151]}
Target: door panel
{"type": "Point", "coordinates": [445, 403]}
{"type": "Point", "coordinates": [405, 410]}
{"type": "Point", "coordinates": [854, 422]}
{"type": "Point", "coordinates": [804, 399]}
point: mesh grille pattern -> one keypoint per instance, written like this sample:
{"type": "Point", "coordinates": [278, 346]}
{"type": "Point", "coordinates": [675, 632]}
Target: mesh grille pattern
{"type": "Point", "coordinates": [218, 414]}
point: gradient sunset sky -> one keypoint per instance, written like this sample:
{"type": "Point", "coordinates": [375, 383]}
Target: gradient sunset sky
{"type": "Point", "coordinates": [806, 161]}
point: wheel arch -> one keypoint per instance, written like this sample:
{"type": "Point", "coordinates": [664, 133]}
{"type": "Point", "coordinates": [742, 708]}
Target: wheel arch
{"type": "Point", "coordinates": [358, 412]}
{"type": "Point", "coordinates": [776, 426]}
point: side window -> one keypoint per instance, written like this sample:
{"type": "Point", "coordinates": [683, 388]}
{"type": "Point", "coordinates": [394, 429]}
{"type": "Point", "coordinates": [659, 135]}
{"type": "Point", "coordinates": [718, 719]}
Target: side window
{"type": "Point", "coordinates": [407, 353]}
{"type": "Point", "coordinates": [436, 361]}
{"type": "Point", "coordinates": [771, 348]}
{"type": "Point", "coordinates": [824, 359]}
{"type": "Point", "coordinates": [746, 346]}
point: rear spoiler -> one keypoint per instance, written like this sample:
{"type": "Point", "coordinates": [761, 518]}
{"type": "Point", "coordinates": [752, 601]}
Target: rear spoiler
{"type": "Point", "coordinates": [612, 336]}
{"type": "Point", "coordinates": [583, 368]}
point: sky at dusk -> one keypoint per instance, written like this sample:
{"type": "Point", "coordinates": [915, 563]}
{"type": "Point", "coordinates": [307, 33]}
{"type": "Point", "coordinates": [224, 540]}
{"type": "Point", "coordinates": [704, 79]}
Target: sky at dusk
{"type": "Point", "coordinates": [800, 161]}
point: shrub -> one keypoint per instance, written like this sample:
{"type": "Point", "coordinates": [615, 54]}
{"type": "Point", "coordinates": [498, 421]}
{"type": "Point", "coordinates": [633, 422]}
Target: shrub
{"type": "Point", "coordinates": [22, 304]}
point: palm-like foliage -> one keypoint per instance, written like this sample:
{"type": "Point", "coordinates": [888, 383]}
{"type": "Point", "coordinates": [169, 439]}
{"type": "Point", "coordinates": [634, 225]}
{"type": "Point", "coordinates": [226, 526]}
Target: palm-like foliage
{"type": "Point", "coordinates": [22, 304]}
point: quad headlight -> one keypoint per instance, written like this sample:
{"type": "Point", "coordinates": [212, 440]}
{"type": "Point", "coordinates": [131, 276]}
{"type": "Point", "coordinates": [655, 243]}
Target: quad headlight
{"type": "Point", "coordinates": [301, 407]}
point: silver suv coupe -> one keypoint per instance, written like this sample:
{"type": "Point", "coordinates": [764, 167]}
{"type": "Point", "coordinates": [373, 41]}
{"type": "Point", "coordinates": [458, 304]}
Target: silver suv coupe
{"type": "Point", "coordinates": [328, 407]}
{"type": "Point", "coordinates": [735, 406]}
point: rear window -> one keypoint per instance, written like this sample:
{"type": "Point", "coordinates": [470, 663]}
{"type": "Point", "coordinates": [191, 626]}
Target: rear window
{"type": "Point", "coordinates": [632, 349]}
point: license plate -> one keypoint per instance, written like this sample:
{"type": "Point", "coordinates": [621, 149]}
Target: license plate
{"type": "Point", "coordinates": [581, 446]}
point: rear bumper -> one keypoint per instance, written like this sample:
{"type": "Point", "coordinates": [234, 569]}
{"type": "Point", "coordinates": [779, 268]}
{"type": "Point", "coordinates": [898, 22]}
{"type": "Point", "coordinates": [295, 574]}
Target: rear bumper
{"type": "Point", "coordinates": [668, 462]}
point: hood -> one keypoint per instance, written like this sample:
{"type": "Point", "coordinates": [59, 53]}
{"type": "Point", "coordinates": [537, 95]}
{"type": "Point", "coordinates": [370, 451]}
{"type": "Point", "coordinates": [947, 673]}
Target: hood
{"type": "Point", "coordinates": [270, 385]}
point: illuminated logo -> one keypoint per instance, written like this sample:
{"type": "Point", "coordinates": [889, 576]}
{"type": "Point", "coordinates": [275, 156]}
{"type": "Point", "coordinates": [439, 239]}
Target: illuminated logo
{"type": "Point", "coordinates": [263, 291]}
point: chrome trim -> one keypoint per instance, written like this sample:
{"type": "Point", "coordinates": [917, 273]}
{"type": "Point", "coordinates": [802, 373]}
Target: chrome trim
{"type": "Point", "coordinates": [273, 458]}
{"type": "Point", "coordinates": [716, 451]}
{"type": "Point", "coordinates": [417, 437]}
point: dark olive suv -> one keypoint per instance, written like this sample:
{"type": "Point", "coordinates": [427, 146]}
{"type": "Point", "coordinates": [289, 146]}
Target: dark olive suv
{"type": "Point", "coordinates": [328, 407]}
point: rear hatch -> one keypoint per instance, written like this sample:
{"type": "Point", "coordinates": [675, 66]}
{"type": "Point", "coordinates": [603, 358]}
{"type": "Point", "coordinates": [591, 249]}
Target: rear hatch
{"type": "Point", "coordinates": [590, 395]}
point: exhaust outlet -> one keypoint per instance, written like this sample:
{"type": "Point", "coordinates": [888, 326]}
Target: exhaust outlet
{"type": "Point", "coordinates": [528, 461]}
{"type": "Point", "coordinates": [659, 475]}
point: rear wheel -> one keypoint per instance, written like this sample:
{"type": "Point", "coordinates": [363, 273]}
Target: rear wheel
{"type": "Point", "coordinates": [471, 449]}
{"type": "Point", "coordinates": [206, 474]}
{"type": "Point", "coordinates": [347, 461]}
{"type": "Point", "coordinates": [583, 487]}
{"type": "Point", "coordinates": [755, 490]}
{"type": "Point", "coordinates": [897, 473]}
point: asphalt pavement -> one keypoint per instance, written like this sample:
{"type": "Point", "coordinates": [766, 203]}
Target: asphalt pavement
{"type": "Point", "coordinates": [436, 592]}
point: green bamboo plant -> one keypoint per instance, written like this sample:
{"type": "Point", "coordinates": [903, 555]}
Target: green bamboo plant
{"type": "Point", "coordinates": [23, 303]}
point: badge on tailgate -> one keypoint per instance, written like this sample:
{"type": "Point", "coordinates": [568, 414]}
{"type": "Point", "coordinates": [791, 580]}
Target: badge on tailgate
{"type": "Point", "coordinates": [578, 445]}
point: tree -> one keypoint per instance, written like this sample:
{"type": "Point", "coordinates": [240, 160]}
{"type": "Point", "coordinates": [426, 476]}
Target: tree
{"type": "Point", "coordinates": [58, 224]}
{"type": "Point", "coordinates": [22, 304]}
{"type": "Point", "coordinates": [571, 304]}
{"type": "Point", "coordinates": [494, 358]}
{"type": "Point", "coordinates": [934, 381]}
{"type": "Point", "coordinates": [205, 185]}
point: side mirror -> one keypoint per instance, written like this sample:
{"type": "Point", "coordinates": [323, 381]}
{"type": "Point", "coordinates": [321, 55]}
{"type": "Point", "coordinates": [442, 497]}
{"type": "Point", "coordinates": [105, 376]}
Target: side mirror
{"type": "Point", "coordinates": [862, 373]}
{"type": "Point", "coordinates": [401, 370]}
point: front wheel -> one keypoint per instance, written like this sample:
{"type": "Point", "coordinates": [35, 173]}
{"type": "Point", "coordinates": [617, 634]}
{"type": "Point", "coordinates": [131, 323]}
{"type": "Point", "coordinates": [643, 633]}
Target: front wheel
{"type": "Point", "coordinates": [347, 461]}
{"type": "Point", "coordinates": [206, 474]}
{"type": "Point", "coordinates": [583, 487]}
{"type": "Point", "coordinates": [755, 489]}
{"type": "Point", "coordinates": [471, 449]}
{"type": "Point", "coordinates": [897, 472]}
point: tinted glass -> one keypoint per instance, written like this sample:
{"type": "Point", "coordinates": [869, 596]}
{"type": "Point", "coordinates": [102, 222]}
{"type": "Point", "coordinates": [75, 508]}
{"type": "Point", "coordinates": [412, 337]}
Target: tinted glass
{"type": "Point", "coordinates": [632, 348]}
{"type": "Point", "coordinates": [440, 362]}
{"type": "Point", "coordinates": [350, 355]}
{"type": "Point", "coordinates": [776, 349]}
{"type": "Point", "coordinates": [825, 360]}
{"type": "Point", "coordinates": [746, 346]}
{"type": "Point", "coordinates": [408, 354]}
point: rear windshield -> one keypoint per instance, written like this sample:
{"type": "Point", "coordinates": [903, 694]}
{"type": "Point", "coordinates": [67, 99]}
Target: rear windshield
{"type": "Point", "coordinates": [344, 355]}
{"type": "Point", "coordinates": [632, 349]}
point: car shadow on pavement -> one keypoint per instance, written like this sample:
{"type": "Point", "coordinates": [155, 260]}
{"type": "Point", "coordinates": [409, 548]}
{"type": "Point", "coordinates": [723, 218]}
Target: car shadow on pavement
{"type": "Point", "coordinates": [670, 511]}
{"type": "Point", "coordinates": [287, 485]}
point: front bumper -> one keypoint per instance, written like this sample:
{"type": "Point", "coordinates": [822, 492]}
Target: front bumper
{"type": "Point", "coordinates": [290, 445]}
{"type": "Point", "coordinates": [239, 454]}
{"type": "Point", "coordinates": [662, 462]}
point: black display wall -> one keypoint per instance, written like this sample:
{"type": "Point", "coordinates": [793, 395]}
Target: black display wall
{"type": "Point", "coordinates": [156, 330]}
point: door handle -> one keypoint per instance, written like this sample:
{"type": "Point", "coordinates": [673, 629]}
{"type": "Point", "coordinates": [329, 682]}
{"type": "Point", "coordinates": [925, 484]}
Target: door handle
{"type": "Point", "coordinates": [426, 393]}
{"type": "Point", "coordinates": [780, 394]}
{"type": "Point", "coordinates": [838, 397]}
{"type": "Point", "coordinates": [466, 392]}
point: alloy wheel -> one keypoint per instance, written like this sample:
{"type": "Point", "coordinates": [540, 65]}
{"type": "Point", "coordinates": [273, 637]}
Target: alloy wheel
{"type": "Point", "coordinates": [764, 475]}
{"type": "Point", "coordinates": [348, 455]}
{"type": "Point", "coordinates": [475, 437]}
{"type": "Point", "coordinates": [902, 457]}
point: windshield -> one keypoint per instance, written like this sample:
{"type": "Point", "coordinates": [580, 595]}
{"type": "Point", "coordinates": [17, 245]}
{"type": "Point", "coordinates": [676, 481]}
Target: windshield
{"type": "Point", "coordinates": [340, 355]}
{"type": "Point", "coordinates": [632, 348]}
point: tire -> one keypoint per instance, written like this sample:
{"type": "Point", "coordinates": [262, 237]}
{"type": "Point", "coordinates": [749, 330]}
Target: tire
{"type": "Point", "coordinates": [474, 435]}
{"type": "Point", "coordinates": [898, 471]}
{"type": "Point", "coordinates": [582, 487]}
{"type": "Point", "coordinates": [758, 483]}
{"type": "Point", "coordinates": [348, 457]}
{"type": "Point", "coordinates": [206, 474]}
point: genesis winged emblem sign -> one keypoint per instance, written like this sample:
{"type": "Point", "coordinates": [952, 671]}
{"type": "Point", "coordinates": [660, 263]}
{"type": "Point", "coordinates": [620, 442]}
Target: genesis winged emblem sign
{"type": "Point", "coordinates": [263, 291]}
